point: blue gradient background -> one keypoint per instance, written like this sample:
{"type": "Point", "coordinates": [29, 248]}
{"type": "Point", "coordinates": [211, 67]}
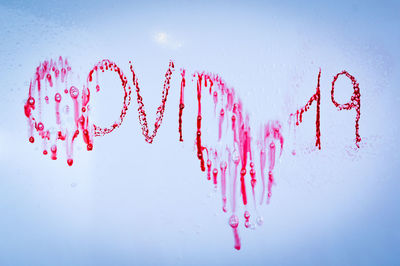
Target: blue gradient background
{"type": "Point", "coordinates": [130, 203]}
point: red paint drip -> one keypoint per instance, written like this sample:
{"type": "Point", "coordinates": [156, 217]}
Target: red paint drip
{"type": "Point", "coordinates": [263, 159]}
{"type": "Point", "coordinates": [215, 174]}
{"type": "Point", "coordinates": [270, 134]}
{"type": "Point", "coordinates": [299, 114]}
{"type": "Point", "coordinates": [53, 150]}
{"type": "Point", "coordinates": [244, 145]}
{"type": "Point", "coordinates": [221, 120]}
{"type": "Point", "coordinates": [234, 148]}
{"type": "Point", "coordinates": [271, 168]}
{"type": "Point", "coordinates": [234, 223]}
{"type": "Point", "coordinates": [243, 186]}
{"type": "Point", "coordinates": [355, 101]}
{"type": "Point", "coordinates": [253, 183]}
{"type": "Point", "coordinates": [198, 133]}
{"type": "Point", "coordinates": [209, 169]}
{"type": "Point", "coordinates": [181, 104]}
{"type": "Point", "coordinates": [160, 110]}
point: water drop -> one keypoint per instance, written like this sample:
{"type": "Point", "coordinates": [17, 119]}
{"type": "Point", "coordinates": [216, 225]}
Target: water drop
{"type": "Point", "coordinates": [40, 126]}
{"type": "Point", "coordinates": [74, 92]}
{"type": "Point", "coordinates": [31, 100]}
{"type": "Point", "coordinates": [260, 220]}
{"type": "Point", "coordinates": [234, 221]}
{"type": "Point", "coordinates": [57, 97]}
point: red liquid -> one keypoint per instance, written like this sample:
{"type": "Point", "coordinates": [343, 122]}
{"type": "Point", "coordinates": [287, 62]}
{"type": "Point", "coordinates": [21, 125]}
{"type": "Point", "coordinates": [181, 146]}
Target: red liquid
{"type": "Point", "coordinates": [234, 223]}
{"type": "Point", "coordinates": [106, 65]}
{"type": "Point", "coordinates": [198, 133]}
{"type": "Point", "coordinates": [271, 135]}
{"type": "Point", "coordinates": [234, 148]}
{"type": "Point", "coordinates": [299, 114]}
{"type": "Point", "coordinates": [160, 110]}
{"type": "Point", "coordinates": [57, 75]}
{"type": "Point", "coordinates": [235, 140]}
{"type": "Point", "coordinates": [355, 101]}
{"type": "Point", "coordinates": [181, 104]}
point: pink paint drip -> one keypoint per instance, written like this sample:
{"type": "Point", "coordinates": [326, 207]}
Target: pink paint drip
{"type": "Point", "coordinates": [198, 133]}
{"type": "Point", "coordinates": [272, 133]}
{"type": "Point", "coordinates": [46, 73]}
{"type": "Point", "coordinates": [221, 120]}
{"type": "Point", "coordinates": [58, 74]}
{"type": "Point", "coordinates": [215, 174]}
{"type": "Point", "coordinates": [262, 168]}
{"type": "Point", "coordinates": [236, 151]}
{"type": "Point", "coordinates": [209, 164]}
{"type": "Point", "coordinates": [223, 167]}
